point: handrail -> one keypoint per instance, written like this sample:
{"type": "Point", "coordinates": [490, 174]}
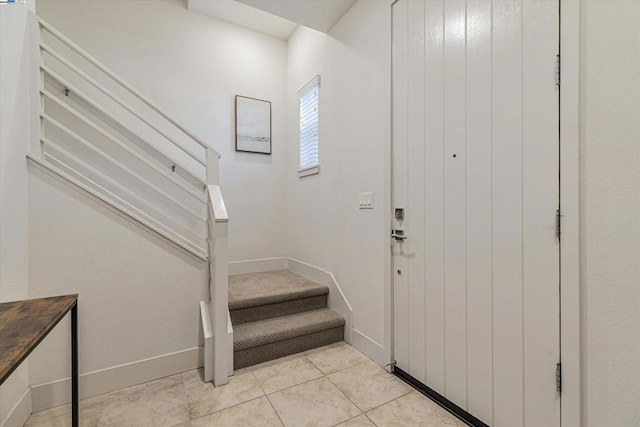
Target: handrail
{"type": "Point", "coordinates": [117, 100]}
{"type": "Point", "coordinates": [116, 184]}
{"type": "Point", "coordinates": [119, 80]}
{"type": "Point", "coordinates": [125, 147]}
{"type": "Point", "coordinates": [145, 181]}
{"type": "Point", "coordinates": [126, 208]}
{"type": "Point", "coordinates": [88, 100]}
{"type": "Point", "coordinates": [217, 204]}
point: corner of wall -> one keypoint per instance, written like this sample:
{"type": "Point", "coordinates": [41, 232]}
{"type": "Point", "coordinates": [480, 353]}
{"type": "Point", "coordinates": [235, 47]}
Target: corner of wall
{"type": "Point", "coordinates": [15, 67]}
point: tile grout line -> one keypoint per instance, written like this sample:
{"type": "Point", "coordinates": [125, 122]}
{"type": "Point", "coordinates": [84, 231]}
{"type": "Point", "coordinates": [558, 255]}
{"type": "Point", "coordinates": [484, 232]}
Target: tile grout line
{"type": "Point", "coordinates": [230, 406]}
{"type": "Point", "coordinates": [274, 410]}
{"type": "Point", "coordinates": [369, 418]}
{"type": "Point", "coordinates": [186, 399]}
{"type": "Point", "coordinates": [295, 385]}
{"type": "Point", "coordinates": [261, 389]}
{"type": "Point", "coordinates": [308, 381]}
{"type": "Point", "coordinates": [382, 404]}
{"type": "Point", "coordinates": [353, 418]}
{"type": "Point", "coordinates": [225, 408]}
{"type": "Point", "coordinates": [327, 377]}
{"type": "Point", "coordinates": [323, 375]}
{"type": "Point", "coordinates": [344, 394]}
{"type": "Point", "coordinates": [269, 400]}
{"type": "Point", "coordinates": [342, 370]}
{"type": "Point", "coordinates": [392, 400]}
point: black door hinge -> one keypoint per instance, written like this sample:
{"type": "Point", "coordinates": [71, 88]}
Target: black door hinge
{"type": "Point", "coordinates": [558, 224]}
{"type": "Point", "coordinates": [559, 378]}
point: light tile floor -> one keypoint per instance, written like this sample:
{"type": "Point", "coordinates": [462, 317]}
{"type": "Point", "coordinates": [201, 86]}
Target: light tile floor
{"type": "Point", "coordinates": [331, 386]}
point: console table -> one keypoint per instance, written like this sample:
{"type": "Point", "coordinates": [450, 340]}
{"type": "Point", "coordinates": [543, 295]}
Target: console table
{"type": "Point", "coordinates": [24, 324]}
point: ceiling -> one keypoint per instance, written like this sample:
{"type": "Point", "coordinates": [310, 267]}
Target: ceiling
{"type": "Point", "coordinates": [277, 18]}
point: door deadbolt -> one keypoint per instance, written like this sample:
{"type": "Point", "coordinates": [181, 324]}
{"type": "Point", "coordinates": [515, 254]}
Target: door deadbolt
{"type": "Point", "coordinates": [398, 235]}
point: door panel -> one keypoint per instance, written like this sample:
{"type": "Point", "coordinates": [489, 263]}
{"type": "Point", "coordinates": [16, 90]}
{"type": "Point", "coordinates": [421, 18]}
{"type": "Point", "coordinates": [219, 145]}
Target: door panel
{"type": "Point", "coordinates": [540, 191]}
{"type": "Point", "coordinates": [415, 184]}
{"type": "Point", "coordinates": [400, 129]}
{"type": "Point", "coordinates": [454, 202]}
{"type": "Point", "coordinates": [479, 217]}
{"type": "Point", "coordinates": [475, 137]}
{"type": "Point", "coordinates": [507, 212]}
{"type": "Point", "coordinates": [434, 195]}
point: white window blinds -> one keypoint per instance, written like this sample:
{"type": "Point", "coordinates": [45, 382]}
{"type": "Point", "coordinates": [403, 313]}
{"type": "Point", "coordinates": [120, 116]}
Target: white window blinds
{"type": "Point", "coordinates": [308, 98]}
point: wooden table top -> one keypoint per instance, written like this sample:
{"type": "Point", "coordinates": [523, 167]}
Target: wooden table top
{"type": "Point", "coordinates": [23, 324]}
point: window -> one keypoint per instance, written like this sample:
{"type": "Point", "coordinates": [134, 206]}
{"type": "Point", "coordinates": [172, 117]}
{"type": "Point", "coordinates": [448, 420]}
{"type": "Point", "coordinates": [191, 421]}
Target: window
{"type": "Point", "coordinates": [308, 98]}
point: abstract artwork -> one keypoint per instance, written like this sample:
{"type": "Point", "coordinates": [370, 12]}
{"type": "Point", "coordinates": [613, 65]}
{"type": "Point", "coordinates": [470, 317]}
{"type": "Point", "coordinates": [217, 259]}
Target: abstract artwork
{"type": "Point", "coordinates": [253, 125]}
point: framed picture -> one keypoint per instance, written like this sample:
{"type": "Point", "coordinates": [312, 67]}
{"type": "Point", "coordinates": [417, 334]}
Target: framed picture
{"type": "Point", "coordinates": [253, 125]}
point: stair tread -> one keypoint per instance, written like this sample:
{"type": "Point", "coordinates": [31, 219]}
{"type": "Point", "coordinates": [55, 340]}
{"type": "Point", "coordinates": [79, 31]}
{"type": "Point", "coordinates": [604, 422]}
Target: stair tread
{"type": "Point", "coordinates": [255, 289]}
{"type": "Point", "coordinates": [254, 334]}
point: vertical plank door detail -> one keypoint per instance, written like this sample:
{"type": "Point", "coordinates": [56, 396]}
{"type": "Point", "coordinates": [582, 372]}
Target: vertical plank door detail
{"type": "Point", "coordinates": [475, 166]}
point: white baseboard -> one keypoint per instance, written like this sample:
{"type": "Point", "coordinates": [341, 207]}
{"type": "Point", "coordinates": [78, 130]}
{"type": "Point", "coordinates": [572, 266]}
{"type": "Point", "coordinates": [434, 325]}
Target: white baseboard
{"type": "Point", "coordinates": [20, 412]}
{"type": "Point", "coordinates": [56, 393]}
{"type": "Point", "coordinates": [337, 300]}
{"type": "Point", "coordinates": [257, 265]}
{"type": "Point", "coordinates": [372, 349]}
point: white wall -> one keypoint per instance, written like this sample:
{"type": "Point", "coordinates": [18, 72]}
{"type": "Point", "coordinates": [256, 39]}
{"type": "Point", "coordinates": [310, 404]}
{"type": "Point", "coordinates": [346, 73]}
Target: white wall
{"type": "Point", "coordinates": [326, 228]}
{"type": "Point", "coordinates": [610, 229]}
{"type": "Point", "coordinates": [14, 140]}
{"type": "Point", "coordinates": [192, 66]}
{"type": "Point", "coordinates": [138, 294]}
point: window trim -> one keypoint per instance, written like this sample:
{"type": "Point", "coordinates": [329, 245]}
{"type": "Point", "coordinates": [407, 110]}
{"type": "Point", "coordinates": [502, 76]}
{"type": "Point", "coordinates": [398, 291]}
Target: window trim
{"type": "Point", "coordinates": [315, 169]}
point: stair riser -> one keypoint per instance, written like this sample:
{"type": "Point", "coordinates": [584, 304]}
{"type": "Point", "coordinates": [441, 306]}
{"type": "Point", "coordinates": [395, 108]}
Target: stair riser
{"type": "Point", "coordinates": [270, 311]}
{"type": "Point", "coordinates": [264, 353]}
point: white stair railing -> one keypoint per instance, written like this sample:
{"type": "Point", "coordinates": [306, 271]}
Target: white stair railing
{"type": "Point", "coordinates": [221, 346]}
{"type": "Point", "coordinates": [106, 137]}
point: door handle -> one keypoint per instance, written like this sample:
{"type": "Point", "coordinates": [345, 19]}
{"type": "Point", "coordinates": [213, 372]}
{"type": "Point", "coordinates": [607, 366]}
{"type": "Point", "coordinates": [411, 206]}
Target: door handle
{"type": "Point", "coordinates": [398, 235]}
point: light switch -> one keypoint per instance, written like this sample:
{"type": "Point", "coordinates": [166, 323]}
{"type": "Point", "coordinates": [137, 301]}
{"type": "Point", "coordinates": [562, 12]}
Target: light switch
{"type": "Point", "coordinates": [366, 201]}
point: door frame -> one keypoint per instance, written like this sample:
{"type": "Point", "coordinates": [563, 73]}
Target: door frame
{"type": "Point", "coordinates": [570, 298]}
{"type": "Point", "coordinates": [570, 295]}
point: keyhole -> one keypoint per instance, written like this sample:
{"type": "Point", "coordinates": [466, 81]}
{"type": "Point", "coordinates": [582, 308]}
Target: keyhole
{"type": "Point", "coordinates": [399, 272]}
{"type": "Point", "coordinates": [454, 156]}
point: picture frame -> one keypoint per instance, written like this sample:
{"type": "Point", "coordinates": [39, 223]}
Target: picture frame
{"type": "Point", "coordinates": [253, 125]}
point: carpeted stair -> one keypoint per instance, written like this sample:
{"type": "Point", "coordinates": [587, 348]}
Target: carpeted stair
{"type": "Point", "coordinates": [278, 313]}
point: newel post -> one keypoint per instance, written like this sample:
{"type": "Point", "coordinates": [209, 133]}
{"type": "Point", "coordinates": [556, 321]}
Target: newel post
{"type": "Point", "coordinates": [219, 274]}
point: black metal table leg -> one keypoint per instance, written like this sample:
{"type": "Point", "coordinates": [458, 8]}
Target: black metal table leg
{"type": "Point", "coordinates": [75, 407]}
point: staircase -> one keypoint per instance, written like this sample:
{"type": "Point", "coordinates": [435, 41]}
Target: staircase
{"type": "Point", "coordinates": [103, 137]}
{"type": "Point", "coordinates": [278, 313]}
{"type": "Point", "coordinates": [100, 135]}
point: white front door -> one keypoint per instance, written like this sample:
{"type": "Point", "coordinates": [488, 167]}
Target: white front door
{"type": "Point", "coordinates": [476, 174]}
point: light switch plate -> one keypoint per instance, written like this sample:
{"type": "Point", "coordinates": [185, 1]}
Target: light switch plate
{"type": "Point", "coordinates": [365, 201]}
